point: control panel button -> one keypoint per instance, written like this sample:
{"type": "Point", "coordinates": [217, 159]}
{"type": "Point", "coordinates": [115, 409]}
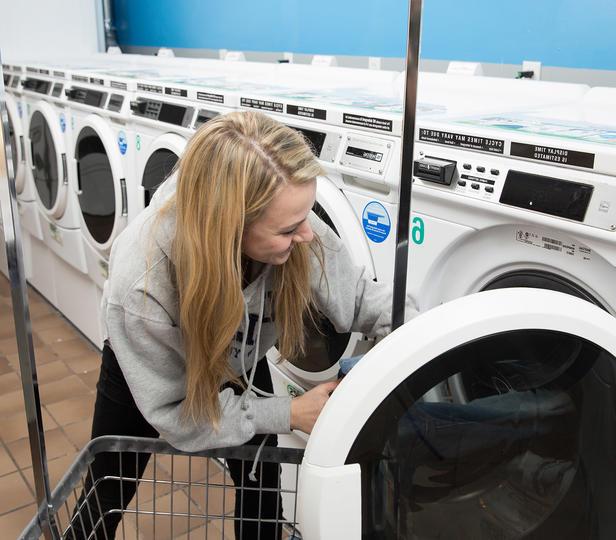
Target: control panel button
{"type": "Point", "coordinates": [495, 172]}
{"type": "Point", "coordinates": [489, 189]}
{"type": "Point", "coordinates": [462, 183]}
{"type": "Point", "coordinates": [467, 166]}
{"type": "Point", "coordinates": [475, 186]}
{"type": "Point", "coordinates": [481, 169]}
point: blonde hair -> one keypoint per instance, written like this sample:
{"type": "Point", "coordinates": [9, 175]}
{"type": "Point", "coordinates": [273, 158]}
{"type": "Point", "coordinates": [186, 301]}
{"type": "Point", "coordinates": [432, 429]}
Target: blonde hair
{"type": "Point", "coordinates": [232, 169]}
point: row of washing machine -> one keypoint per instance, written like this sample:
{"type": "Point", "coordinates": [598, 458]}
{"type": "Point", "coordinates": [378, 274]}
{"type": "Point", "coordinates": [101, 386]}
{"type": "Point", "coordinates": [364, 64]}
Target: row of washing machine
{"type": "Point", "coordinates": [513, 187]}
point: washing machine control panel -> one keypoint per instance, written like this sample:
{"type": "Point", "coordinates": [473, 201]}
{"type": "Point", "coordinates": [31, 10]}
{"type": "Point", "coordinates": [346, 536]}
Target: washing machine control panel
{"type": "Point", "coordinates": [162, 111]}
{"type": "Point", "coordinates": [366, 154]}
{"type": "Point", "coordinates": [583, 197]}
{"type": "Point", "coordinates": [40, 86]}
{"type": "Point", "coordinates": [86, 96]}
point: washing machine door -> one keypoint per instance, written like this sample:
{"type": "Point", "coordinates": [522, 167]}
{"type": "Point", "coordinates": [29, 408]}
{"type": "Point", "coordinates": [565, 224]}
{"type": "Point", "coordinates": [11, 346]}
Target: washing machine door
{"type": "Point", "coordinates": [325, 346]}
{"type": "Point", "coordinates": [101, 185]}
{"type": "Point", "coordinates": [48, 160]}
{"type": "Point", "coordinates": [531, 454]}
{"type": "Point", "coordinates": [163, 155]}
{"type": "Point", "coordinates": [16, 139]}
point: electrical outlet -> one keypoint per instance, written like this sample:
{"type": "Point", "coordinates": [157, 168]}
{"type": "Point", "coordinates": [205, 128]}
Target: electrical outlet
{"type": "Point", "coordinates": [533, 66]}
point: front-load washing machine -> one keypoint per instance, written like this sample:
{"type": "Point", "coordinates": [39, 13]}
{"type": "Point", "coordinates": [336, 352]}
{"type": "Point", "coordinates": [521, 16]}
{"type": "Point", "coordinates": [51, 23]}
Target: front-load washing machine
{"type": "Point", "coordinates": [491, 416]}
{"type": "Point", "coordinates": [14, 108]}
{"type": "Point", "coordinates": [101, 158]}
{"type": "Point", "coordinates": [45, 181]}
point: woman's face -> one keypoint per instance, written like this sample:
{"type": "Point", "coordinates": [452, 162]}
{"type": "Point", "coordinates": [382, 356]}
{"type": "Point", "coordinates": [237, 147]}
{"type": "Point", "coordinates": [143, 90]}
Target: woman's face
{"type": "Point", "coordinates": [283, 224]}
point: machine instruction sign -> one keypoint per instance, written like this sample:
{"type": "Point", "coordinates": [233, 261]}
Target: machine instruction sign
{"type": "Point", "coordinates": [369, 122]}
{"type": "Point", "coordinates": [262, 105]}
{"type": "Point", "coordinates": [376, 222]}
{"type": "Point", "coordinates": [461, 140]}
{"type": "Point", "coordinates": [551, 154]}
{"type": "Point", "coordinates": [207, 96]}
{"type": "Point", "coordinates": [307, 112]}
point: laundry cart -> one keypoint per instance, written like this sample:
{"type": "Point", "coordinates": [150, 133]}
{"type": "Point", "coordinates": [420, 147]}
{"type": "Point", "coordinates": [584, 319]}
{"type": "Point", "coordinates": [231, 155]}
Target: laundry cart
{"type": "Point", "coordinates": [181, 495]}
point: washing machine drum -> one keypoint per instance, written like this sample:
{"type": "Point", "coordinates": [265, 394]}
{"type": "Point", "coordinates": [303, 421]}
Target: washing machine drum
{"type": "Point", "coordinates": [158, 167]}
{"type": "Point", "coordinates": [96, 185]}
{"type": "Point", "coordinates": [516, 444]}
{"type": "Point", "coordinates": [44, 160]}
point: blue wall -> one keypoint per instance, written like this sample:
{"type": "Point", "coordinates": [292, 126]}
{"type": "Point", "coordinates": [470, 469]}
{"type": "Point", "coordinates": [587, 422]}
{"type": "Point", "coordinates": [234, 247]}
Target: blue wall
{"type": "Point", "coordinates": [564, 33]}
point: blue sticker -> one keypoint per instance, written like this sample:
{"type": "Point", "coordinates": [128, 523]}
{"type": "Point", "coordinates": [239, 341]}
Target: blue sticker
{"type": "Point", "coordinates": [62, 122]}
{"type": "Point", "coordinates": [20, 109]}
{"type": "Point", "coordinates": [376, 222]}
{"type": "Point", "coordinates": [122, 143]}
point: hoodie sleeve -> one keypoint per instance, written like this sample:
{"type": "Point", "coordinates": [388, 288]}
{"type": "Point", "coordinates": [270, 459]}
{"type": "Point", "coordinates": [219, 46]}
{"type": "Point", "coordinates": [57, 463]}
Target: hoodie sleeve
{"type": "Point", "coordinates": [346, 294]}
{"type": "Point", "coordinates": [150, 353]}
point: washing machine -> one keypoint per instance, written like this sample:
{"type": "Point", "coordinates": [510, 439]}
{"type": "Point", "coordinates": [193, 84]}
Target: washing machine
{"type": "Point", "coordinates": [12, 78]}
{"type": "Point", "coordinates": [360, 148]}
{"type": "Point", "coordinates": [100, 159]}
{"type": "Point", "coordinates": [165, 114]}
{"type": "Point", "coordinates": [490, 416]}
{"type": "Point", "coordinates": [46, 171]}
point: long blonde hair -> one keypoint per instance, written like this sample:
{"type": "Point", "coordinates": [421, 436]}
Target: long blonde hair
{"type": "Point", "coordinates": [231, 170]}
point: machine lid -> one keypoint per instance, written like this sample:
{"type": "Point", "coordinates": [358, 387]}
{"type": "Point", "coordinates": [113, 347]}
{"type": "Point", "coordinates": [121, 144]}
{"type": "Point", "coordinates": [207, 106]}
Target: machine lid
{"type": "Point", "coordinates": [101, 187]}
{"type": "Point", "coordinates": [49, 167]}
{"type": "Point", "coordinates": [491, 416]}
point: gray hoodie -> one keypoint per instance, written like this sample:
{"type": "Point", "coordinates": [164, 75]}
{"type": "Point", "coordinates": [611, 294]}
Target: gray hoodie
{"type": "Point", "coordinates": [141, 322]}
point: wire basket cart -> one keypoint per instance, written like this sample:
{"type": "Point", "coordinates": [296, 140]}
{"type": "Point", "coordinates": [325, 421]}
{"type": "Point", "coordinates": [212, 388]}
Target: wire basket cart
{"type": "Point", "coordinates": [180, 495]}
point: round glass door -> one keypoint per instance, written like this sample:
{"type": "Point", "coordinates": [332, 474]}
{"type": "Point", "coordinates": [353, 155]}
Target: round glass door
{"type": "Point", "coordinates": [95, 185]}
{"type": "Point", "coordinates": [529, 453]}
{"type": "Point", "coordinates": [44, 160]}
{"type": "Point", "coordinates": [324, 346]}
{"type": "Point", "coordinates": [158, 167]}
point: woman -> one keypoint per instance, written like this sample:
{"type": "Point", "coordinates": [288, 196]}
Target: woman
{"type": "Point", "coordinates": [227, 261]}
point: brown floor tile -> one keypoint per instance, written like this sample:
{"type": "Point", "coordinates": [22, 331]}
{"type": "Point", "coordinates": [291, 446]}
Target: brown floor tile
{"type": "Point", "coordinates": [14, 493]}
{"type": "Point", "coordinates": [7, 465]}
{"type": "Point", "coordinates": [9, 383]}
{"type": "Point", "coordinates": [90, 379]}
{"type": "Point", "coordinates": [58, 391]}
{"type": "Point", "coordinates": [5, 366]}
{"type": "Point", "coordinates": [56, 445]}
{"type": "Point", "coordinates": [198, 467]}
{"type": "Point", "coordinates": [52, 320]}
{"type": "Point", "coordinates": [42, 355]}
{"type": "Point", "coordinates": [8, 345]}
{"type": "Point", "coordinates": [159, 527]}
{"type": "Point", "coordinates": [56, 334]}
{"type": "Point", "coordinates": [39, 308]}
{"type": "Point", "coordinates": [79, 432]}
{"type": "Point", "coordinates": [209, 499]}
{"type": "Point", "coordinates": [52, 371]}
{"type": "Point", "coordinates": [72, 410]}
{"type": "Point", "coordinates": [11, 403]}
{"type": "Point", "coordinates": [15, 426]}
{"type": "Point", "coordinates": [56, 468]}
{"type": "Point", "coordinates": [85, 363]}
{"type": "Point", "coordinates": [15, 522]}
{"type": "Point", "coordinates": [71, 348]}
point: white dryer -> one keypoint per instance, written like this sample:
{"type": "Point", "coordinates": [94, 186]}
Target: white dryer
{"type": "Point", "coordinates": [44, 186]}
{"type": "Point", "coordinates": [100, 159]}
{"type": "Point", "coordinates": [491, 416]}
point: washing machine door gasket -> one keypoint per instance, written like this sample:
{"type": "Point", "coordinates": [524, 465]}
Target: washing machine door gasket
{"type": "Point", "coordinates": [101, 185]}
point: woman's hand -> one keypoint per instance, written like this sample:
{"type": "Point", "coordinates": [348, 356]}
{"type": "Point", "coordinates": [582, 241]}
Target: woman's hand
{"type": "Point", "coordinates": [306, 408]}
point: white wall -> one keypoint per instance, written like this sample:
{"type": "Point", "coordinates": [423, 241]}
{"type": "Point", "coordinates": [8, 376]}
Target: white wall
{"type": "Point", "coordinates": [31, 29]}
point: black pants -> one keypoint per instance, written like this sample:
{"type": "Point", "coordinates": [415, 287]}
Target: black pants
{"type": "Point", "coordinates": [115, 413]}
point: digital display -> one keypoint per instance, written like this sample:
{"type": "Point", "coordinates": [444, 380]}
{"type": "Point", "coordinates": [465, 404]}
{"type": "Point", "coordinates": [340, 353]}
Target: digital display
{"type": "Point", "coordinates": [204, 116]}
{"type": "Point", "coordinates": [92, 98]}
{"type": "Point", "coordinates": [37, 85]}
{"type": "Point", "coordinates": [171, 114]}
{"type": "Point", "coordinates": [115, 102]}
{"type": "Point", "coordinates": [364, 154]}
{"type": "Point", "coordinates": [548, 195]}
{"type": "Point", "coordinates": [315, 139]}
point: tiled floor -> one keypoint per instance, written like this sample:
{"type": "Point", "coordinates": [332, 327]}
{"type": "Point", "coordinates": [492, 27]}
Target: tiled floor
{"type": "Point", "coordinates": [67, 367]}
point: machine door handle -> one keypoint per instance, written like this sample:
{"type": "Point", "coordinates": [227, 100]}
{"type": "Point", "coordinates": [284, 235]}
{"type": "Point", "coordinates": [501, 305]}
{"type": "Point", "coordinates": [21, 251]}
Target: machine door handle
{"type": "Point", "coordinates": [124, 197]}
{"type": "Point", "coordinates": [79, 191]}
{"type": "Point", "coordinates": [64, 170]}
{"type": "Point", "coordinates": [22, 147]}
